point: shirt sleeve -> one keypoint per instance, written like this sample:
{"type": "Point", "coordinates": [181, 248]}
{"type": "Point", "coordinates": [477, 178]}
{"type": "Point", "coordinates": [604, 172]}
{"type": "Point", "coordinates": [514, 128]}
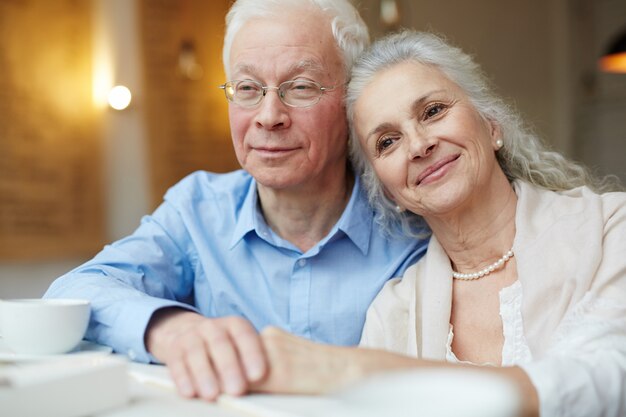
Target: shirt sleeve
{"type": "Point", "coordinates": [584, 373]}
{"type": "Point", "coordinates": [131, 279]}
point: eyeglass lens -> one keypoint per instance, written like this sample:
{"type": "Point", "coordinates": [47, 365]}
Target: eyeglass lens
{"type": "Point", "coordinates": [296, 93]}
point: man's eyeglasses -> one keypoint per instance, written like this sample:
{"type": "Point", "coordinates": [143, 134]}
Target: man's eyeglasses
{"type": "Point", "coordinates": [294, 93]}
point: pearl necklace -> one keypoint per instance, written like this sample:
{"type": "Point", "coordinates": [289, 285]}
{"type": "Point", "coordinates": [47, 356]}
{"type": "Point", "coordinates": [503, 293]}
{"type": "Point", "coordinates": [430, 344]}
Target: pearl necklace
{"type": "Point", "coordinates": [485, 271]}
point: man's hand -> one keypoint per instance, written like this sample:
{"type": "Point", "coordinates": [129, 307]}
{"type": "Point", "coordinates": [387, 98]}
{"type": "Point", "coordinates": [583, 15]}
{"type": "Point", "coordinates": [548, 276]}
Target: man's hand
{"type": "Point", "coordinates": [205, 356]}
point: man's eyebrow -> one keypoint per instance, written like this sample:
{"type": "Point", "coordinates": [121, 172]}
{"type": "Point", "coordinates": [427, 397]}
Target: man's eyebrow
{"type": "Point", "coordinates": [298, 67]}
{"type": "Point", "coordinates": [244, 68]}
{"type": "Point", "coordinates": [306, 65]}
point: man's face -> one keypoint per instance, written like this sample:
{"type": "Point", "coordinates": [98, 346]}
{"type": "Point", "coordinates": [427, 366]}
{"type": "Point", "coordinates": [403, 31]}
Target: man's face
{"type": "Point", "coordinates": [286, 147]}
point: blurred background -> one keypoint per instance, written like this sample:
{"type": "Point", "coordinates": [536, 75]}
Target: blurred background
{"type": "Point", "coordinates": [79, 165]}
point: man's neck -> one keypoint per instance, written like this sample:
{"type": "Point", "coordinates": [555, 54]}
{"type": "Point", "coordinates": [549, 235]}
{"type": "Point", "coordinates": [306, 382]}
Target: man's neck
{"type": "Point", "coordinates": [305, 215]}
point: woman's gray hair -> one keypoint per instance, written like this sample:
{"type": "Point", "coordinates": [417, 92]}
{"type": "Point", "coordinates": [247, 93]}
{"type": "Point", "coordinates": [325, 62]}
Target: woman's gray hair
{"type": "Point", "coordinates": [523, 156]}
{"type": "Point", "coordinates": [349, 30]}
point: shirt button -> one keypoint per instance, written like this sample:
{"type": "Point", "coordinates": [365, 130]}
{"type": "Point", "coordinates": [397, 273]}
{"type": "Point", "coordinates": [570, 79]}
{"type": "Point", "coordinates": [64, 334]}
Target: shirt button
{"type": "Point", "coordinates": [302, 262]}
{"type": "Point", "coordinates": [132, 355]}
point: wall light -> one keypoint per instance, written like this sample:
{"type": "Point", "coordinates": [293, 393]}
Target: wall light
{"type": "Point", "coordinates": [119, 97]}
{"type": "Point", "coordinates": [389, 13]}
{"type": "Point", "coordinates": [614, 60]}
{"type": "Point", "coordinates": [188, 61]}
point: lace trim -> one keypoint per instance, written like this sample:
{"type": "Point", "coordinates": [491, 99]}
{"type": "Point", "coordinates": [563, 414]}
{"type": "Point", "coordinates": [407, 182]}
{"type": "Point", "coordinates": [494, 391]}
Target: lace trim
{"type": "Point", "coordinates": [515, 349]}
{"type": "Point", "coordinates": [595, 323]}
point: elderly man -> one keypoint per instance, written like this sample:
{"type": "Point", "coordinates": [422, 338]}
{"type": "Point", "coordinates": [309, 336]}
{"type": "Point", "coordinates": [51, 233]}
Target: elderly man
{"type": "Point", "coordinates": [288, 241]}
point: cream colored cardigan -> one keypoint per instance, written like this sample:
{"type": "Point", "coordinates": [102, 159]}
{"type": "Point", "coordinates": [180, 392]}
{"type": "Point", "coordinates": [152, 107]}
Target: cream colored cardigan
{"type": "Point", "coordinates": [570, 249]}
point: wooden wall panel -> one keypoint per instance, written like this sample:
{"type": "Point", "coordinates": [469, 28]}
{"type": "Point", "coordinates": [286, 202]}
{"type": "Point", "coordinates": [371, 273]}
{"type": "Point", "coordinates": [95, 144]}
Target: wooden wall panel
{"type": "Point", "coordinates": [50, 183]}
{"type": "Point", "coordinates": [186, 114]}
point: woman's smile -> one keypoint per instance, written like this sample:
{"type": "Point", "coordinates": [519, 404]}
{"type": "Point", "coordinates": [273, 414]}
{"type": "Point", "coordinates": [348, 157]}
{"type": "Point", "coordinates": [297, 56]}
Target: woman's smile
{"type": "Point", "coordinates": [437, 170]}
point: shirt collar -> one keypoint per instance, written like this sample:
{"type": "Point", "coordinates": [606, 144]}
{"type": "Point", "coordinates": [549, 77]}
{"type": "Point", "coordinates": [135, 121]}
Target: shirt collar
{"type": "Point", "coordinates": [248, 212]}
{"type": "Point", "coordinates": [355, 221]}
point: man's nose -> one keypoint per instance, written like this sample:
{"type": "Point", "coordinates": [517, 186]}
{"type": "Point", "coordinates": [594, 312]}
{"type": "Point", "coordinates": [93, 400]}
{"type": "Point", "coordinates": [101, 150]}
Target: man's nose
{"type": "Point", "coordinates": [272, 113]}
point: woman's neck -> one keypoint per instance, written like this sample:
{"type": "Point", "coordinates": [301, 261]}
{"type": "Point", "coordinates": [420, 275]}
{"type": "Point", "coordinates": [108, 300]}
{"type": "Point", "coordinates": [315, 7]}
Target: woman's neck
{"type": "Point", "coordinates": [483, 232]}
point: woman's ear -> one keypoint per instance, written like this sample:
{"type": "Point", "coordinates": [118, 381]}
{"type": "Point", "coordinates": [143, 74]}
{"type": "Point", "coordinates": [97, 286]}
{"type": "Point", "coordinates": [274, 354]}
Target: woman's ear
{"type": "Point", "coordinates": [496, 134]}
{"type": "Point", "coordinates": [398, 207]}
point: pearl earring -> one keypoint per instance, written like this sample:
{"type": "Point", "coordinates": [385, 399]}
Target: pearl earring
{"type": "Point", "coordinates": [499, 143]}
{"type": "Point", "coordinates": [399, 209]}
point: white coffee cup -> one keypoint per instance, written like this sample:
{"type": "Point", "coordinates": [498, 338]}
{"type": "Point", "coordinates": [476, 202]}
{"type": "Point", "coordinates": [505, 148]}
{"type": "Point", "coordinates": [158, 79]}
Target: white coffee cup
{"type": "Point", "coordinates": [43, 326]}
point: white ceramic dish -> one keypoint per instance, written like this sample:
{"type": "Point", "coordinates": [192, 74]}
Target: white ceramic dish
{"type": "Point", "coordinates": [38, 326]}
{"type": "Point", "coordinates": [84, 385]}
{"type": "Point", "coordinates": [84, 348]}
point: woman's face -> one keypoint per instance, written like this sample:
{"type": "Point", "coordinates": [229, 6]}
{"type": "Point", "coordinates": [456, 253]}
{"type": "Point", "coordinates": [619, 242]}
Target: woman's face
{"type": "Point", "coordinates": [430, 148]}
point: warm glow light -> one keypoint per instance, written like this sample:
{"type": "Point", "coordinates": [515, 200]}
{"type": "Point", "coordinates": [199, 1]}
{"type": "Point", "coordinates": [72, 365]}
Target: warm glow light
{"type": "Point", "coordinates": [103, 63]}
{"type": "Point", "coordinates": [119, 97]}
{"type": "Point", "coordinates": [613, 63]}
{"type": "Point", "coordinates": [389, 13]}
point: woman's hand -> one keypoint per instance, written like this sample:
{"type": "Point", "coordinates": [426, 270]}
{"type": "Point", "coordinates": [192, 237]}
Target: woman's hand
{"type": "Point", "coordinates": [299, 366]}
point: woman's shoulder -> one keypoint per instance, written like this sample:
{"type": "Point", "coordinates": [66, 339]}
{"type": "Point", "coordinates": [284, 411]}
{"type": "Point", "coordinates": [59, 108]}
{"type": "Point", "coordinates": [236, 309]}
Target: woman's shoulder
{"type": "Point", "coordinates": [400, 289]}
{"type": "Point", "coordinates": [573, 201]}
{"type": "Point", "coordinates": [389, 318]}
{"type": "Point", "coordinates": [397, 296]}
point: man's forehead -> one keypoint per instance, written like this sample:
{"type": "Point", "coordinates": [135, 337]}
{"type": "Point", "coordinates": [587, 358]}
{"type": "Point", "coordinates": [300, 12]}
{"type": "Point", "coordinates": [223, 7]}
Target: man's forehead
{"type": "Point", "coordinates": [285, 48]}
{"type": "Point", "coordinates": [297, 67]}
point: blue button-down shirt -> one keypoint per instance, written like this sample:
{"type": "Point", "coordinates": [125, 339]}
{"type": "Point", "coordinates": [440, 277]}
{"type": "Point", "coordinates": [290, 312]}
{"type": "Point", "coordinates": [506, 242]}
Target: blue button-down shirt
{"type": "Point", "coordinates": [208, 248]}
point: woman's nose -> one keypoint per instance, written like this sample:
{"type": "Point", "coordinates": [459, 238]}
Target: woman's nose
{"type": "Point", "coordinates": [421, 145]}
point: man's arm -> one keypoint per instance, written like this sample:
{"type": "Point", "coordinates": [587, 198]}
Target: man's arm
{"type": "Point", "coordinates": [131, 279]}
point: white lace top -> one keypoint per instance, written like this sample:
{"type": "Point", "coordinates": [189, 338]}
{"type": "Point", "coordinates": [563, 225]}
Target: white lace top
{"type": "Point", "coordinates": [515, 350]}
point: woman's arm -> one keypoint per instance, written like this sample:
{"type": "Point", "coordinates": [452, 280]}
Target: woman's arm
{"type": "Point", "coordinates": [299, 366]}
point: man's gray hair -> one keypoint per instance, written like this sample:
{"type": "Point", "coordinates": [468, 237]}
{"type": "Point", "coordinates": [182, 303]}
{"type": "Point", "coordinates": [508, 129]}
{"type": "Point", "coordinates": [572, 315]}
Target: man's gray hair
{"type": "Point", "coordinates": [349, 30]}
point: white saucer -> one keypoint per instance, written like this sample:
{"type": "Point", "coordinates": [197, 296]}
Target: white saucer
{"type": "Point", "coordinates": [84, 348]}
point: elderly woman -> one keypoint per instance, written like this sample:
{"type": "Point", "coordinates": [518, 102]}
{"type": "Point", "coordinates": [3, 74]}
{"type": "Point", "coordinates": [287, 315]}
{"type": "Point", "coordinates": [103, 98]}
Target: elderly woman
{"type": "Point", "coordinates": [526, 266]}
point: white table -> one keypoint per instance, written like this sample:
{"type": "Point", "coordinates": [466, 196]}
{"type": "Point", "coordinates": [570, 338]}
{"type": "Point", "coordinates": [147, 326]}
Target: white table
{"type": "Point", "coordinates": [110, 386]}
{"type": "Point", "coordinates": [97, 384]}
{"type": "Point", "coordinates": [152, 394]}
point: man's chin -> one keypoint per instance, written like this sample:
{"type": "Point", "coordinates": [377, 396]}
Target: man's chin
{"type": "Point", "coordinates": [279, 183]}
{"type": "Point", "coordinates": [280, 177]}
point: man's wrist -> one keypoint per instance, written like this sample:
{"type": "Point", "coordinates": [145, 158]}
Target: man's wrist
{"type": "Point", "coordinates": [160, 325]}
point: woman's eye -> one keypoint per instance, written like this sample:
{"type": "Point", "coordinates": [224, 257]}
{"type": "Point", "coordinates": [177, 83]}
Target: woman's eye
{"type": "Point", "coordinates": [433, 110]}
{"type": "Point", "coordinates": [384, 143]}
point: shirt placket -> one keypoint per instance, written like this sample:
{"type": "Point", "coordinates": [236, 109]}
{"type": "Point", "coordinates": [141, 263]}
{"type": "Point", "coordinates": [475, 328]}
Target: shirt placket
{"type": "Point", "coordinates": [300, 297]}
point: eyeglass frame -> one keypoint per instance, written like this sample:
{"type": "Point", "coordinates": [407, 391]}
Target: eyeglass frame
{"type": "Point", "coordinates": [281, 97]}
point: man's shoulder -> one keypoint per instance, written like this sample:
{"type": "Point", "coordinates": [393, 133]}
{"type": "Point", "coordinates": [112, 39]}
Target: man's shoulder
{"type": "Point", "coordinates": [201, 185]}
